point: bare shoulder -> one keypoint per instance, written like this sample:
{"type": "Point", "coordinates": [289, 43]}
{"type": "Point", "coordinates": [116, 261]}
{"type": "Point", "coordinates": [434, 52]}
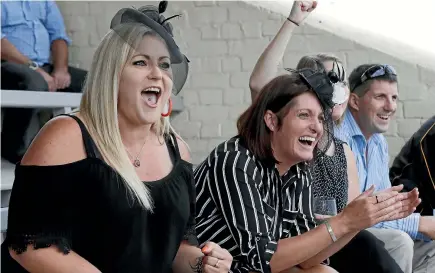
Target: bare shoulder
{"type": "Point", "coordinates": [347, 151]}
{"type": "Point", "coordinates": [58, 142]}
{"type": "Point", "coordinates": [184, 150]}
{"type": "Point", "coordinates": [350, 159]}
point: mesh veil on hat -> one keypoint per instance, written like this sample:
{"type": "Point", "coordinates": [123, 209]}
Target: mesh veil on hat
{"type": "Point", "coordinates": [150, 16]}
{"type": "Point", "coordinates": [322, 84]}
{"type": "Point", "coordinates": [337, 75]}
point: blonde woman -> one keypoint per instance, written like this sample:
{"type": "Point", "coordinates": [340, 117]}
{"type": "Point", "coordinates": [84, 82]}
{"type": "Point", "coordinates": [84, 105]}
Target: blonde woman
{"type": "Point", "coordinates": [110, 188]}
{"type": "Point", "coordinates": [335, 173]}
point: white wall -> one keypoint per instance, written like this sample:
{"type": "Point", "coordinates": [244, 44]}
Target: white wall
{"type": "Point", "coordinates": [223, 41]}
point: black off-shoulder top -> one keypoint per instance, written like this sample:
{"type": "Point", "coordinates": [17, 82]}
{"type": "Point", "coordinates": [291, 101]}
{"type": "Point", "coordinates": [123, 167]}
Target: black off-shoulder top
{"type": "Point", "coordinates": [85, 207]}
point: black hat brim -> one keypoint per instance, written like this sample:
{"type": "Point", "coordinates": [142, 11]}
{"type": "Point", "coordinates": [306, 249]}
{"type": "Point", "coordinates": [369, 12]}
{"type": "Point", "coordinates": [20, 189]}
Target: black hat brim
{"type": "Point", "coordinates": [180, 63]}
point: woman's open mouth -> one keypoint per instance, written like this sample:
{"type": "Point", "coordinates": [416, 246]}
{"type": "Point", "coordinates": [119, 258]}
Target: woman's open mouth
{"type": "Point", "coordinates": [151, 96]}
{"type": "Point", "coordinates": [307, 141]}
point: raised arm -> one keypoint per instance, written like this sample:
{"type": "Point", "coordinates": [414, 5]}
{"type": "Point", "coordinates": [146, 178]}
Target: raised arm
{"type": "Point", "coordinates": [266, 67]}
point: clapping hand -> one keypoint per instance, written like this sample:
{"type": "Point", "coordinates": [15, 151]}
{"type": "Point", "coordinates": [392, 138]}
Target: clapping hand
{"type": "Point", "coordinates": [369, 209]}
{"type": "Point", "coordinates": [408, 200]}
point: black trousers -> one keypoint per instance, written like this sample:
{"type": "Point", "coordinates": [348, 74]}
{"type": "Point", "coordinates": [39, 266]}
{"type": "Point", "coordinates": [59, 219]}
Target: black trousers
{"type": "Point", "coordinates": [364, 254]}
{"type": "Point", "coordinates": [16, 120]}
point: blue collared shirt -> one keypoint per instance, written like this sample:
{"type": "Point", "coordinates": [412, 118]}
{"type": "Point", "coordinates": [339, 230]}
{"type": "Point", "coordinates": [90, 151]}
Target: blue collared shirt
{"type": "Point", "coordinates": [373, 169]}
{"type": "Point", "coordinates": [31, 26]}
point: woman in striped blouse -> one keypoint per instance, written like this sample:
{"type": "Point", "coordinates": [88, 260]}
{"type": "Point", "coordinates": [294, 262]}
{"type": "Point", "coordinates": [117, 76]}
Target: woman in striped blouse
{"type": "Point", "coordinates": [254, 190]}
{"type": "Point", "coordinates": [335, 174]}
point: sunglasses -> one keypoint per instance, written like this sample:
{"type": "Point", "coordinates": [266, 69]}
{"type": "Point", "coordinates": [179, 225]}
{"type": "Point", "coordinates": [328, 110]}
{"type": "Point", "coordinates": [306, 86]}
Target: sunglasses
{"type": "Point", "coordinates": [337, 73]}
{"type": "Point", "coordinates": [375, 72]}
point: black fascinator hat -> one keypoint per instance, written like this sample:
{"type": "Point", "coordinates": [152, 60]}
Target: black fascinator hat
{"type": "Point", "coordinates": [151, 17]}
{"type": "Point", "coordinates": [322, 84]}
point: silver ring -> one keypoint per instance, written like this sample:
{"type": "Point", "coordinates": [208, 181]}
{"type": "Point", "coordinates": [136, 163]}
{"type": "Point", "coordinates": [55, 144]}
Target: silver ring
{"type": "Point", "coordinates": [216, 265]}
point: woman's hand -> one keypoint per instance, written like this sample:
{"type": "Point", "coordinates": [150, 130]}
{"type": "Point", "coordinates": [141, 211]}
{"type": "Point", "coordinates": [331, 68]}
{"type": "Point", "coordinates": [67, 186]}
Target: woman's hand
{"type": "Point", "coordinates": [301, 10]}
{"type": "Point", "coordinates": [409, 201]}
{"type": "Point", "coordinates": [216, 259]}
{"type": "Point", "coordinates": [368, 209]}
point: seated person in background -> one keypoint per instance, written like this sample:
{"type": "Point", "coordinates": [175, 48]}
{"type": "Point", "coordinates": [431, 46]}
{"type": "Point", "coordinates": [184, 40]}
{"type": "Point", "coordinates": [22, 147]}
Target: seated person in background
{"type": "Point", "coordinates": [372, 104]}
{"type": "Point", "coordinates": [334, 174]}
{"type": "Point", "coordinates": [254, 190]}
{"type": "Point", "coordinates": [110, 188]}
{"type": "Point", "coordinates": [414, 166]}
{"type": "Point", "coordinates": [32, 34]}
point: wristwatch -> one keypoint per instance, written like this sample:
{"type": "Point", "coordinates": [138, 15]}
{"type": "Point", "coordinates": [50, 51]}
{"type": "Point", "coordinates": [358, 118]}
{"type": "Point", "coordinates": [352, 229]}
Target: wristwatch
{"type": "Point", "coordinates": [33, 65]}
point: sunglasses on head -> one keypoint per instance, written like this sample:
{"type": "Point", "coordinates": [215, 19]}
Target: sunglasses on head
{"type": "Point", "coordinates": [375, 72]}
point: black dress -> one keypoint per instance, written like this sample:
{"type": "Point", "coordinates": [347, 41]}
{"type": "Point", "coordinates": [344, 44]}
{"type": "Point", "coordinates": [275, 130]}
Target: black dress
{"type": "Point", "coordinates": [84, 206]}
{"type": "Point", "coordinates": [365, 252]}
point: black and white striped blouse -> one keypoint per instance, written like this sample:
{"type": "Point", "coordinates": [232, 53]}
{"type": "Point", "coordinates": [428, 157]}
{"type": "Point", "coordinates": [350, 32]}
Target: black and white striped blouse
{"type": "Point", "coordinates": [246, 207]}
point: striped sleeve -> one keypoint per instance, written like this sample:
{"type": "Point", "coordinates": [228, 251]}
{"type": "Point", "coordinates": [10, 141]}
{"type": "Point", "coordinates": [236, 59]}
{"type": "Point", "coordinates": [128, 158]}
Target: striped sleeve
{"type": "Point", "coordinates": [233, 187]}
{"type": "Point", "coordinates": [305, 218]}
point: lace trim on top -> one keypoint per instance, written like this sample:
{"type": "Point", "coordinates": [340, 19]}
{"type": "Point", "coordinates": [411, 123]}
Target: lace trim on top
{"type": "Point", "coordinates": [19, 243]}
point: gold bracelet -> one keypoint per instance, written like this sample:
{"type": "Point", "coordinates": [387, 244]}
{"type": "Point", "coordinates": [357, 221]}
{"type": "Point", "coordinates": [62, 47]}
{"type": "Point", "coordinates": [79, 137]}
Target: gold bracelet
{"type": "Point", "coordinates": [331, 232]}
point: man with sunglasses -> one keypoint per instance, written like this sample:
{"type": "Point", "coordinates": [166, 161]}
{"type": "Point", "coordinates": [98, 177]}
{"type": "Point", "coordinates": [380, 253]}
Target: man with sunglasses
{"type": "Point", "coordinates": [372, 104]}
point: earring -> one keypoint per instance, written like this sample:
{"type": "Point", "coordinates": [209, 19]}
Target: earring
{"type": "Point", "coordinates": [169, 109]}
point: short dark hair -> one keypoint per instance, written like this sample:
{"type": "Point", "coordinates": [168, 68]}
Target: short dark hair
{"type": "Point", "coordinates": [359, 88]}
{"type": "Point", "coordinates": [276, 96]}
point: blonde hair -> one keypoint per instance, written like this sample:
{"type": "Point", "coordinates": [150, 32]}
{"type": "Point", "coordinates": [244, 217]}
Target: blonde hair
{"type": "Point", "coordinates": [99, 104]}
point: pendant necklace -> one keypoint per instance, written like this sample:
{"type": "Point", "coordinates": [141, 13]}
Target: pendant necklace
{"type": "Point", "coordinates": [136, 161]}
